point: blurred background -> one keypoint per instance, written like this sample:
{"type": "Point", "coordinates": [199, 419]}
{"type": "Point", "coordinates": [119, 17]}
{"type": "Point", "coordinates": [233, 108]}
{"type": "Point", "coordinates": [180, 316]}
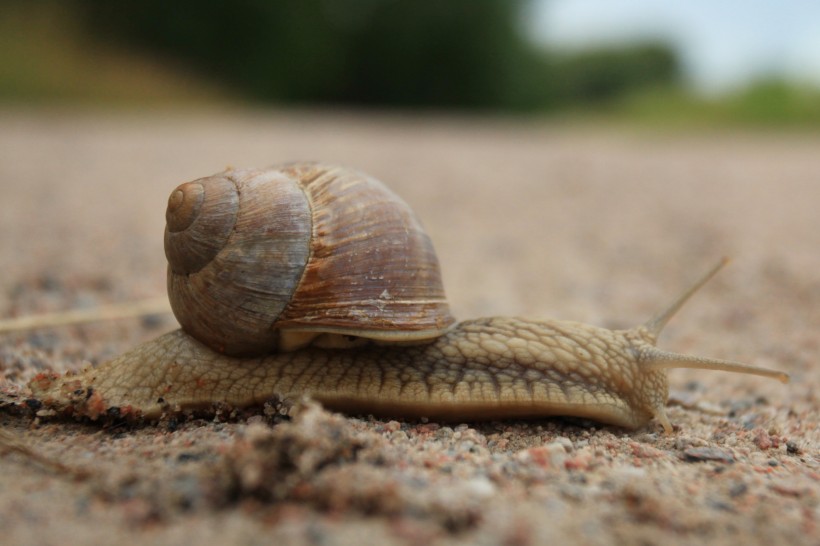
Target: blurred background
{"type": "Point", "coordinates": [699, 62]}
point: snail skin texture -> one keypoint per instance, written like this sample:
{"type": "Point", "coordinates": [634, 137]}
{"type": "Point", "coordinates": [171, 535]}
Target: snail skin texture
{"type": "Point", "coordinates": [490, 368]}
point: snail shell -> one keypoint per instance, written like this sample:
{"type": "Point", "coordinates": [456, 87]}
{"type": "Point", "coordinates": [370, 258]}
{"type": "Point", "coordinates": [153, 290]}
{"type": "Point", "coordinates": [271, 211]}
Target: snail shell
{"type": "Point", "coordinates": [266, 260]}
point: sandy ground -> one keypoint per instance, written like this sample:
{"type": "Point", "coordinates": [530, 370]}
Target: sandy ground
{"type": "Point", "coordinates": [600, 226]}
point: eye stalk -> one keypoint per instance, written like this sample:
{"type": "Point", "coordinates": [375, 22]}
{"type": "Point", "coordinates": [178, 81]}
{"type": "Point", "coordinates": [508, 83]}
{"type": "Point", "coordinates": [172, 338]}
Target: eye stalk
{"type": "Point", "coordinates": [652, 358]}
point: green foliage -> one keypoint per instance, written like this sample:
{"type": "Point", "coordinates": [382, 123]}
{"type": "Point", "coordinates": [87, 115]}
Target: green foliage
{"type": "Point", "coordinates": [45, 57]}
{"type": "Point", "coordinates": [400, 53]}
{"type": "Point", "coordinates": [767, 103]}
{"type": "Point", "coordinates": [773, 101]}
{"type": "Point", "coordinates": [444, 54]}
{"type": "Point", "coordinates": [602, 75]}
{"type": "Point", "coordinates": [458, 53]}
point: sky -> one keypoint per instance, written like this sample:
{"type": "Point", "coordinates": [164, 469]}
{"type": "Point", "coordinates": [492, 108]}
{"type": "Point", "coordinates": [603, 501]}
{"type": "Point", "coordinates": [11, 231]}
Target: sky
{"type": "Point", "coordinates": [723, 44]}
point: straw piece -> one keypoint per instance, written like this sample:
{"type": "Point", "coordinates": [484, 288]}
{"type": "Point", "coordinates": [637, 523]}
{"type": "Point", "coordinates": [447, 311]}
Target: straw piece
{"type": "Point", "coordinates": [155, 306]}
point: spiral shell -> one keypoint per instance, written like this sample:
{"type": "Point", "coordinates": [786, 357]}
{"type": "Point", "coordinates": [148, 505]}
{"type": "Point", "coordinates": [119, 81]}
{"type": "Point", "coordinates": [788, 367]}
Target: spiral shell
{"type": "Point", "coordinates": [264, 259]}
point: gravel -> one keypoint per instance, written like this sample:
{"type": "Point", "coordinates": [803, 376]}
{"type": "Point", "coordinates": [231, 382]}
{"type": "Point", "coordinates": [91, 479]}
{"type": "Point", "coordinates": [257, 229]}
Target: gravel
{"type": "Point", "coordinates": [600, 225]}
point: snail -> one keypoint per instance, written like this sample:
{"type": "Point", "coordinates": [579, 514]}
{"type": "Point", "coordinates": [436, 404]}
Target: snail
{"type": "Point", "coordinates": [313, 279]}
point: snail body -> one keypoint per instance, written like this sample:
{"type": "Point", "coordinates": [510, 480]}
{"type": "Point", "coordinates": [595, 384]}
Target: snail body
{"type": "Point", "coordinates": [345, 354]}
{"type": "Point", "coordinates": [494, 368]}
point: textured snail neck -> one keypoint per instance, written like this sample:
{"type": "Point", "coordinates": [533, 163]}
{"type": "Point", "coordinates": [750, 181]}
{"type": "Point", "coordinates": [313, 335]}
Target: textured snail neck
{"type": "Point", "coordinates": [486, 368]}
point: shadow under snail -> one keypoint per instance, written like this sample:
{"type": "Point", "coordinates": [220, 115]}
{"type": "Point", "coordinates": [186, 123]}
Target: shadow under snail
{"type": "Point", "coordinates": [313, 279]}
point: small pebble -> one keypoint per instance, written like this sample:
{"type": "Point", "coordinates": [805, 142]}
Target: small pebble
{"type": "Point", "coordinates": [698, 454]}
{"type": "Point", "coordinates": [789, 489]}
{"type": "Point", "coordinates": [552, 455]}
{"type": "Point", "coordinates": [565, 442]}
{"type": "Point", "coordinates": [762, 440]}
{"type": "Point", "coordinates": [738, 489]}
{"type": "Point", "coordinates": [479, 487]}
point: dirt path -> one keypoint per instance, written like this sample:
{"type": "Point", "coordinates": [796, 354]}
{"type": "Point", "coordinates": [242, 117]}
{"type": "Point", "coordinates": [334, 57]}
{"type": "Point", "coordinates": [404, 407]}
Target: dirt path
{"type": "Point", "coordinates": [600, 226]}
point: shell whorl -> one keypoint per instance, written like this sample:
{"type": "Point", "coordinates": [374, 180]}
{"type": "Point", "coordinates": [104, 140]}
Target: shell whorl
{"type": "Point", "coordinates": [256, 260]}
{"type": "Point", "coordinates": [304, 247]}
{"type": "Point", "coordinates": [193, 239]}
